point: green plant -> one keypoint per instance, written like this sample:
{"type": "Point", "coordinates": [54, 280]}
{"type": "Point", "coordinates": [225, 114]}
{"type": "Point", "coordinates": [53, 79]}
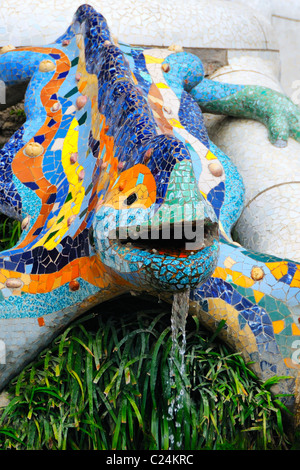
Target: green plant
{"type": "Point", "coordinates": [10, 232]}
{"type": "Point", "coordinates": [18, 112]}
{"type": "Point", "coordinates": [110, 382]}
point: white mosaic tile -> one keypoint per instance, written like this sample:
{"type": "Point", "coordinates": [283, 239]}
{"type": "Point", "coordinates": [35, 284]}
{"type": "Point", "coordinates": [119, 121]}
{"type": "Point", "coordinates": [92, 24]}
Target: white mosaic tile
{"type": "Point", "coordinates": [159, 23]}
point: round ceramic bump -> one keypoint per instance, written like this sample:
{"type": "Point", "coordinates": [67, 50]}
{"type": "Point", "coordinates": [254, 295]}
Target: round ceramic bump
{"type": "Point", "coordinates": [81, 101]}
{"type": "Point", "coordinates": [103, 165]}
{"type": "Point", "coordinates": [115, 40]}
{"type": "Point", "coordinates": [122, 185]}
{"type": "Point", "coordinates": [25, 223]}
{"type": "Point", "coordinates": [81, 175]}
{"type": "Point", "coordinates": [148, 155]}
{"type": "Point", "coordinates": [66, 42]}
{"type": "Point", "coordinates": [175, 48]}
{"type": "Point", "coordinates": [7, 48]}
{"type": "Point", "coordinates": [121, 166]}
{"type": "Point", "coordinates": [56, 107]}
{"type": "Point", "coordinates": [74, 157]}
{"type": "Point", "coordinates": [47, 66]}
{"type": "Point", "coordinates": [107, 43]}
{"type": "Point", "coordinates": [33, 149]}
{"type": "Point", "coordinates": [74, 285]}
{"type": "Point", "coordinates": [166, 68]}
{"type": "Point", "coordinates": [216, 169]}
{"type": "Point", "coordinates": [167, 109]}
{"type": "Point", "coordinates": [257, 273]}
{"type": "Point", "coordinates": [14, 283]}
{"type": "Point", "coordinates": [71, 220]}
{"type": "Point", "coordinates": [77, 76]}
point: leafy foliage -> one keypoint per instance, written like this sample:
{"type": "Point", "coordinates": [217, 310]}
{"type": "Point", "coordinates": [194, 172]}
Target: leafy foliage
{"type": "Point", "coordinates": [10, 232]}
{"type": "Point", "coordinates": [113, 381]}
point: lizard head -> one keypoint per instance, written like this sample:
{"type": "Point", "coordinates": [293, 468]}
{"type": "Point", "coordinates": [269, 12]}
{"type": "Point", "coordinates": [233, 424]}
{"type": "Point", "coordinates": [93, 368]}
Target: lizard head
{"type": "Point", "coordinates": [153, 226]}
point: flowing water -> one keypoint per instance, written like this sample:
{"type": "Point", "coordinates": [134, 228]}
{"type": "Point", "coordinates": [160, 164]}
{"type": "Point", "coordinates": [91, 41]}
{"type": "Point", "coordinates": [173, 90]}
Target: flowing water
{"type": "Point", "coordinates": [180, 309]}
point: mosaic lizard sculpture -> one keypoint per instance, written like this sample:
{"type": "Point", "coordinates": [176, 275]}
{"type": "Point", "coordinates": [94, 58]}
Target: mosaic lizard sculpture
{"type": "Point", "coordinates": [114, 143]}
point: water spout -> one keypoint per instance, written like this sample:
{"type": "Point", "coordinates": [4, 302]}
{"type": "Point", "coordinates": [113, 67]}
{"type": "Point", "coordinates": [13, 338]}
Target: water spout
{"type": "Point", "coordinates": [180, 309]}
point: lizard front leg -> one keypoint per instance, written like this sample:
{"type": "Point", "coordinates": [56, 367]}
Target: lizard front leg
{"type": "Point", "coordinates": [275, 110]}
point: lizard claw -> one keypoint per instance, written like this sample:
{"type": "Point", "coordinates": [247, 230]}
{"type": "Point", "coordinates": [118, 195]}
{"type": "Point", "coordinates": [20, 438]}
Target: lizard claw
{"type": "Point", "coordinates": [280, 143]}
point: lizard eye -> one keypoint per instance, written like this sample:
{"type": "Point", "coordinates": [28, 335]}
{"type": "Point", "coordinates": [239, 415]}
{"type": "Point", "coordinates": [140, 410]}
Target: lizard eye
{"type": "Point", "coordinates": [130, 200]}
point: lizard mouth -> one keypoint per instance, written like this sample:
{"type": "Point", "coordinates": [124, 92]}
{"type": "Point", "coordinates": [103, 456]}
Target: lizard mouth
{"type": "Point", "coordinates": [179, 239]}
{"type": "Point", "coordinates": [171, 263]}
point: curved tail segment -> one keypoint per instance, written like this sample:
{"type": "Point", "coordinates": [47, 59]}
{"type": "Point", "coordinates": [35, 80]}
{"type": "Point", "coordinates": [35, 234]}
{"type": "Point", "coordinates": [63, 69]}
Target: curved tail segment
{"type": "Point", "coordinates": [258, 296]}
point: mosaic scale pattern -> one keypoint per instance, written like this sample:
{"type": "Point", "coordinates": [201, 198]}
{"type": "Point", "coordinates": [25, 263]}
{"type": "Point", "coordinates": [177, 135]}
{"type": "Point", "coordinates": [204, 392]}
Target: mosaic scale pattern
{"type": "Point", "coordinates": [115, 139]}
